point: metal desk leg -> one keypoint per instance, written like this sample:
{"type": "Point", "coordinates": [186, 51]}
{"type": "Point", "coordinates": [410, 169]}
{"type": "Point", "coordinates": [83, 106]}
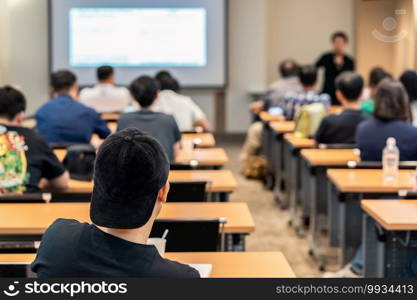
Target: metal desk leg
{"type": "Point", "coordinates": [279, 188]}
{"type": "Point", "coordinates": [317, 179]}
{"type": "Point", "coordinates": [224, 197]}
{"type": "Point", "coordinates": [350, 226]}
{"type": "Point", "coordinates": [333, 211]}
{"type": "Point", "coordinates": [373, 250]}
{"type": "Point", "coordinates": [235, 242]}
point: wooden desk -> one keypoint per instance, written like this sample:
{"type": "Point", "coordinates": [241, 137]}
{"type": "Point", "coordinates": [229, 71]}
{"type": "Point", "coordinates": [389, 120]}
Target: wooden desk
{"type": "Point", "coordinates": [200, 140]}
{"type": "Point", "coordinates": [212, 157]}
{"type": "Point", "coordinates": [266, 117]}
{"type": "Point", "coordinates": [329, 157]}
{"type": "Point", "coordinates": [399, 221]}
{"type": "Point", "coordinates": [225, 264]}
{"type": "Point", "coordinates": [34, 219]}
{"type": "Point", "coordinates": [110, 117]}
{"type": "Point", "coordinates": [220, 181]}
{"type": "Point", "coordinates": [298, 143]}
{"type": "Point", "coordinates": [393, 215]}
{"type": "Point", "coordinates": [346, 189]}
{"type": "Point", "coordinates": [283, 126]}
{"type": "Point", "coordinates": [370, 181]}
{"type": "Point", "coordinates": [335, 109]}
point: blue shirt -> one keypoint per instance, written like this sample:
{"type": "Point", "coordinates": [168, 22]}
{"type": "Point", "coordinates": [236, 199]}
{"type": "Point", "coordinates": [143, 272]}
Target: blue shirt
{"type": "Point", "coordinates": [64, 120]}
{"type": "Point", "coordinates": [294, 101]}
{"type": "Point", "coordinates": [372, 135]}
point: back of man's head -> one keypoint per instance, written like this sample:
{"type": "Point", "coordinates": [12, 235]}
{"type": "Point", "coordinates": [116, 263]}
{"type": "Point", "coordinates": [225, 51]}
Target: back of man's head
{"type": "Point", "coordinates": [308, 75]}
{"type": "Point", "coordinates": [144, 90]}
{"type": "Point", "coordinates": [12, 102]}
{"type": "Point", "coordinates": [104, 73]}
{"type": "Point", "coordinates": [163, 74]}
{"type": "Point", "coordinates": [169, 83]}
{"type": "Point", "coordinates": [289, 68]}
{"type": "Point", "coordinates": [376, 75]}
{"type": "Point", "coordinates": [350, 85]}
{"type": "Point", "coordinates": [62, 81]}
{"type": "Point", "coordinates": [131, 168]}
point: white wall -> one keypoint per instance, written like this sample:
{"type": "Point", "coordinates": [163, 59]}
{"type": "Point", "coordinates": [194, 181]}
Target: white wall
{"type": "Point", "coordinates": [25, 57]}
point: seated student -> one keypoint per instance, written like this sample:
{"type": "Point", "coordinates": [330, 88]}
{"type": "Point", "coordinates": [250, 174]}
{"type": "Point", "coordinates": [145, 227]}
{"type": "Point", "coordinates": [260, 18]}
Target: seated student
{"type": "Point", "coordinates": [187, 114]}
{"type": "Point", "coordinates": [161, 126]}
{"type": "Point", "coordinates": [392, 118]}
{"type": "Point", "coordinates": [105, 97]}
{"type": "Point", "coordinates": [308, 78]}
{"type": "Point", "coordinates": [375, 77]}
{"type": "Point", "coordinates": [39, 163]}
{"type": "Point", "coordinates": [130, 187]}
{"type": "Point", "coordinates": [341, 129]}
{"type": "Point", "coordinates": [63, 119]}
{"type": "Point", "coordinates": [275, 96]}
{"type": "Point", "coordinates": [409, 80]}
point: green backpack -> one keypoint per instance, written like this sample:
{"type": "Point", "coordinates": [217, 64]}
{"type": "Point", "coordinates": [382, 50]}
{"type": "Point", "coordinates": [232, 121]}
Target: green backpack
{"type": "Point", "coordinates": [308, 120]}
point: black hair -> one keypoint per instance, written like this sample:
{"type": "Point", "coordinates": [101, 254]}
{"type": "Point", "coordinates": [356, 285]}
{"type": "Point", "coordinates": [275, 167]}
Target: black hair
{"type": "Point", "coordinates": [169, 83]}
{"type": "Point", "coordinates": [162, 75]}
{"type": "Point", "coordinates": [289, 68]}
{"type": "Point", "coordinates": [340, 34]}
{"type": "Point", "coordinates": [391, 101]}
{"type": "Point", "coordinates": [63, 80]}
{"type": "Point", "coordinates": [376, 75]}
{"type": "Point", "coordinates": [350, 85]}
{"type": "Point", "coordinates": [144, 90]}
{"type": "Point", "coordinates": [308, 75]}
{"type": "Point", "coordinates": [409, 80]}
{"type": "Point", "coordinates": [104, 72]}
{"type": "Point", "coordinates": [12, 102]}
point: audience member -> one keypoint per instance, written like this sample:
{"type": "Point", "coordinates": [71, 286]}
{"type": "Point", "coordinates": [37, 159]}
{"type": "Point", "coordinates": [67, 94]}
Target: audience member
{"type": "Point", "coordinates": [409, 80]}
{"type": "Point", "coordinates": [392, 118]}
{"type": "Point", "coordinates": [186, 113]}
{"type": "Point", "coordinates": [130, 187]}
{"type": "Point", "coordinates": [64, 119]}
{"type": "Point", "coordinates": [105, 97]}
{"type": "Point", "coordinates": [161, 126]}
{"type": "Point", "coordinates": [341, 128]}
{"type": "Point", "coordinates": [308, 79]}
{"type": "Point", "coordinates": [25, 158]}
{"type": "Point", "coordinates": [375, 77]}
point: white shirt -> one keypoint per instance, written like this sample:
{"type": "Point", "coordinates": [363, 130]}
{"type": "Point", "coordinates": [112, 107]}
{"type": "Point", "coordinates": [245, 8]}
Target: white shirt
{"type": "Point", "coordinates": [105, 98]}
{"type": "Point", "coordinates": [181, 107]}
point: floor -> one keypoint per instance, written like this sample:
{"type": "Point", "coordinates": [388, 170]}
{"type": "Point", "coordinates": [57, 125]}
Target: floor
{"type": "Point", "coordinates": [272, 231]}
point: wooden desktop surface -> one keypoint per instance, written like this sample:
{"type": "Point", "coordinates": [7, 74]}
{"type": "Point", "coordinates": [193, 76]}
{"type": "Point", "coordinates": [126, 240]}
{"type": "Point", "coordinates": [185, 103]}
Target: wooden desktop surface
{"type": "Point", "coordinates": [370, 181]}
{"type": "Point", "coordinates": [35, 218]}
{"type": "Point", "coordinates": [219, 181]}
{"type": "Point", "coordinates": [266, 117]}
{"type": "Point", "coordinates": [299, 143]}
{"type": "Point", "coordinates": [283, 126]}
{"type": "Point", "coordinates": [393, 215]}
{"type": "Point", "coordinates": [203, 140]}
{"type": "Point", "coordinates": [204, 157]}
{"type": "Point", "coordinates": [329, 157]}
{"type": "Point", "coordinates": [110, 117]}
{"type": "Point", "coordinates": [225, 264]}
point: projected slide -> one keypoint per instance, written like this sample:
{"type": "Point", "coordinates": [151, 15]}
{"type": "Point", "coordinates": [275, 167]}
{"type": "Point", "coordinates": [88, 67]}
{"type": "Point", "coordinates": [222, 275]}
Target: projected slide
{"type": "Point", "coordinates": [132, 37]}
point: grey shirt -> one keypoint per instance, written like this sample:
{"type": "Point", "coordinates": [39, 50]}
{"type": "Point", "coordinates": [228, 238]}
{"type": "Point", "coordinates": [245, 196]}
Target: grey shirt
{"type": "Point", "coordinates": [278, 91]}
{"type": "Point", "coordinates": [159, 125]}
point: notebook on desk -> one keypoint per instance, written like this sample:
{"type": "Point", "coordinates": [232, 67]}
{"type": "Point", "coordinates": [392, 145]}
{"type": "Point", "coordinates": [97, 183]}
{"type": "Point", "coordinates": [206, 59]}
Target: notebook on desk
{"type": "Point", "coordinates": [203, 269]}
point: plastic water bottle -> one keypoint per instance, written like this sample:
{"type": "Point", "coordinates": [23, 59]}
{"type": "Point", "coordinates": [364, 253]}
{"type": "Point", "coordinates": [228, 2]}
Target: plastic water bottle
{"type": "Point", "coordinates": [391, 160]}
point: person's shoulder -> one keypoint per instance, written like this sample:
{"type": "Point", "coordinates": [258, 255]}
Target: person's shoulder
{"type": "Point", "coordinates": [171, 269]}
{"type": "Point", "coordinates": [49, 103]}
{"type": "Point", "coordinates": [62, 227]}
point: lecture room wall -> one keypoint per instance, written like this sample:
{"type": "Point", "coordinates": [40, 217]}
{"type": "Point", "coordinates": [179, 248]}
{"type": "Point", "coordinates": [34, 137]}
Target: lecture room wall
{"type": "Point", "coordinates": [261, 33]}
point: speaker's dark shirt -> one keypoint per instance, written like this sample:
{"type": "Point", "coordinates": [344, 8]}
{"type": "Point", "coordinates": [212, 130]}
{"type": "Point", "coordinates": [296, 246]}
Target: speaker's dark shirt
{"type": "Point", "coordinates": [70, 249]}
{"type": "Point", "coordinates": [332, 71]}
